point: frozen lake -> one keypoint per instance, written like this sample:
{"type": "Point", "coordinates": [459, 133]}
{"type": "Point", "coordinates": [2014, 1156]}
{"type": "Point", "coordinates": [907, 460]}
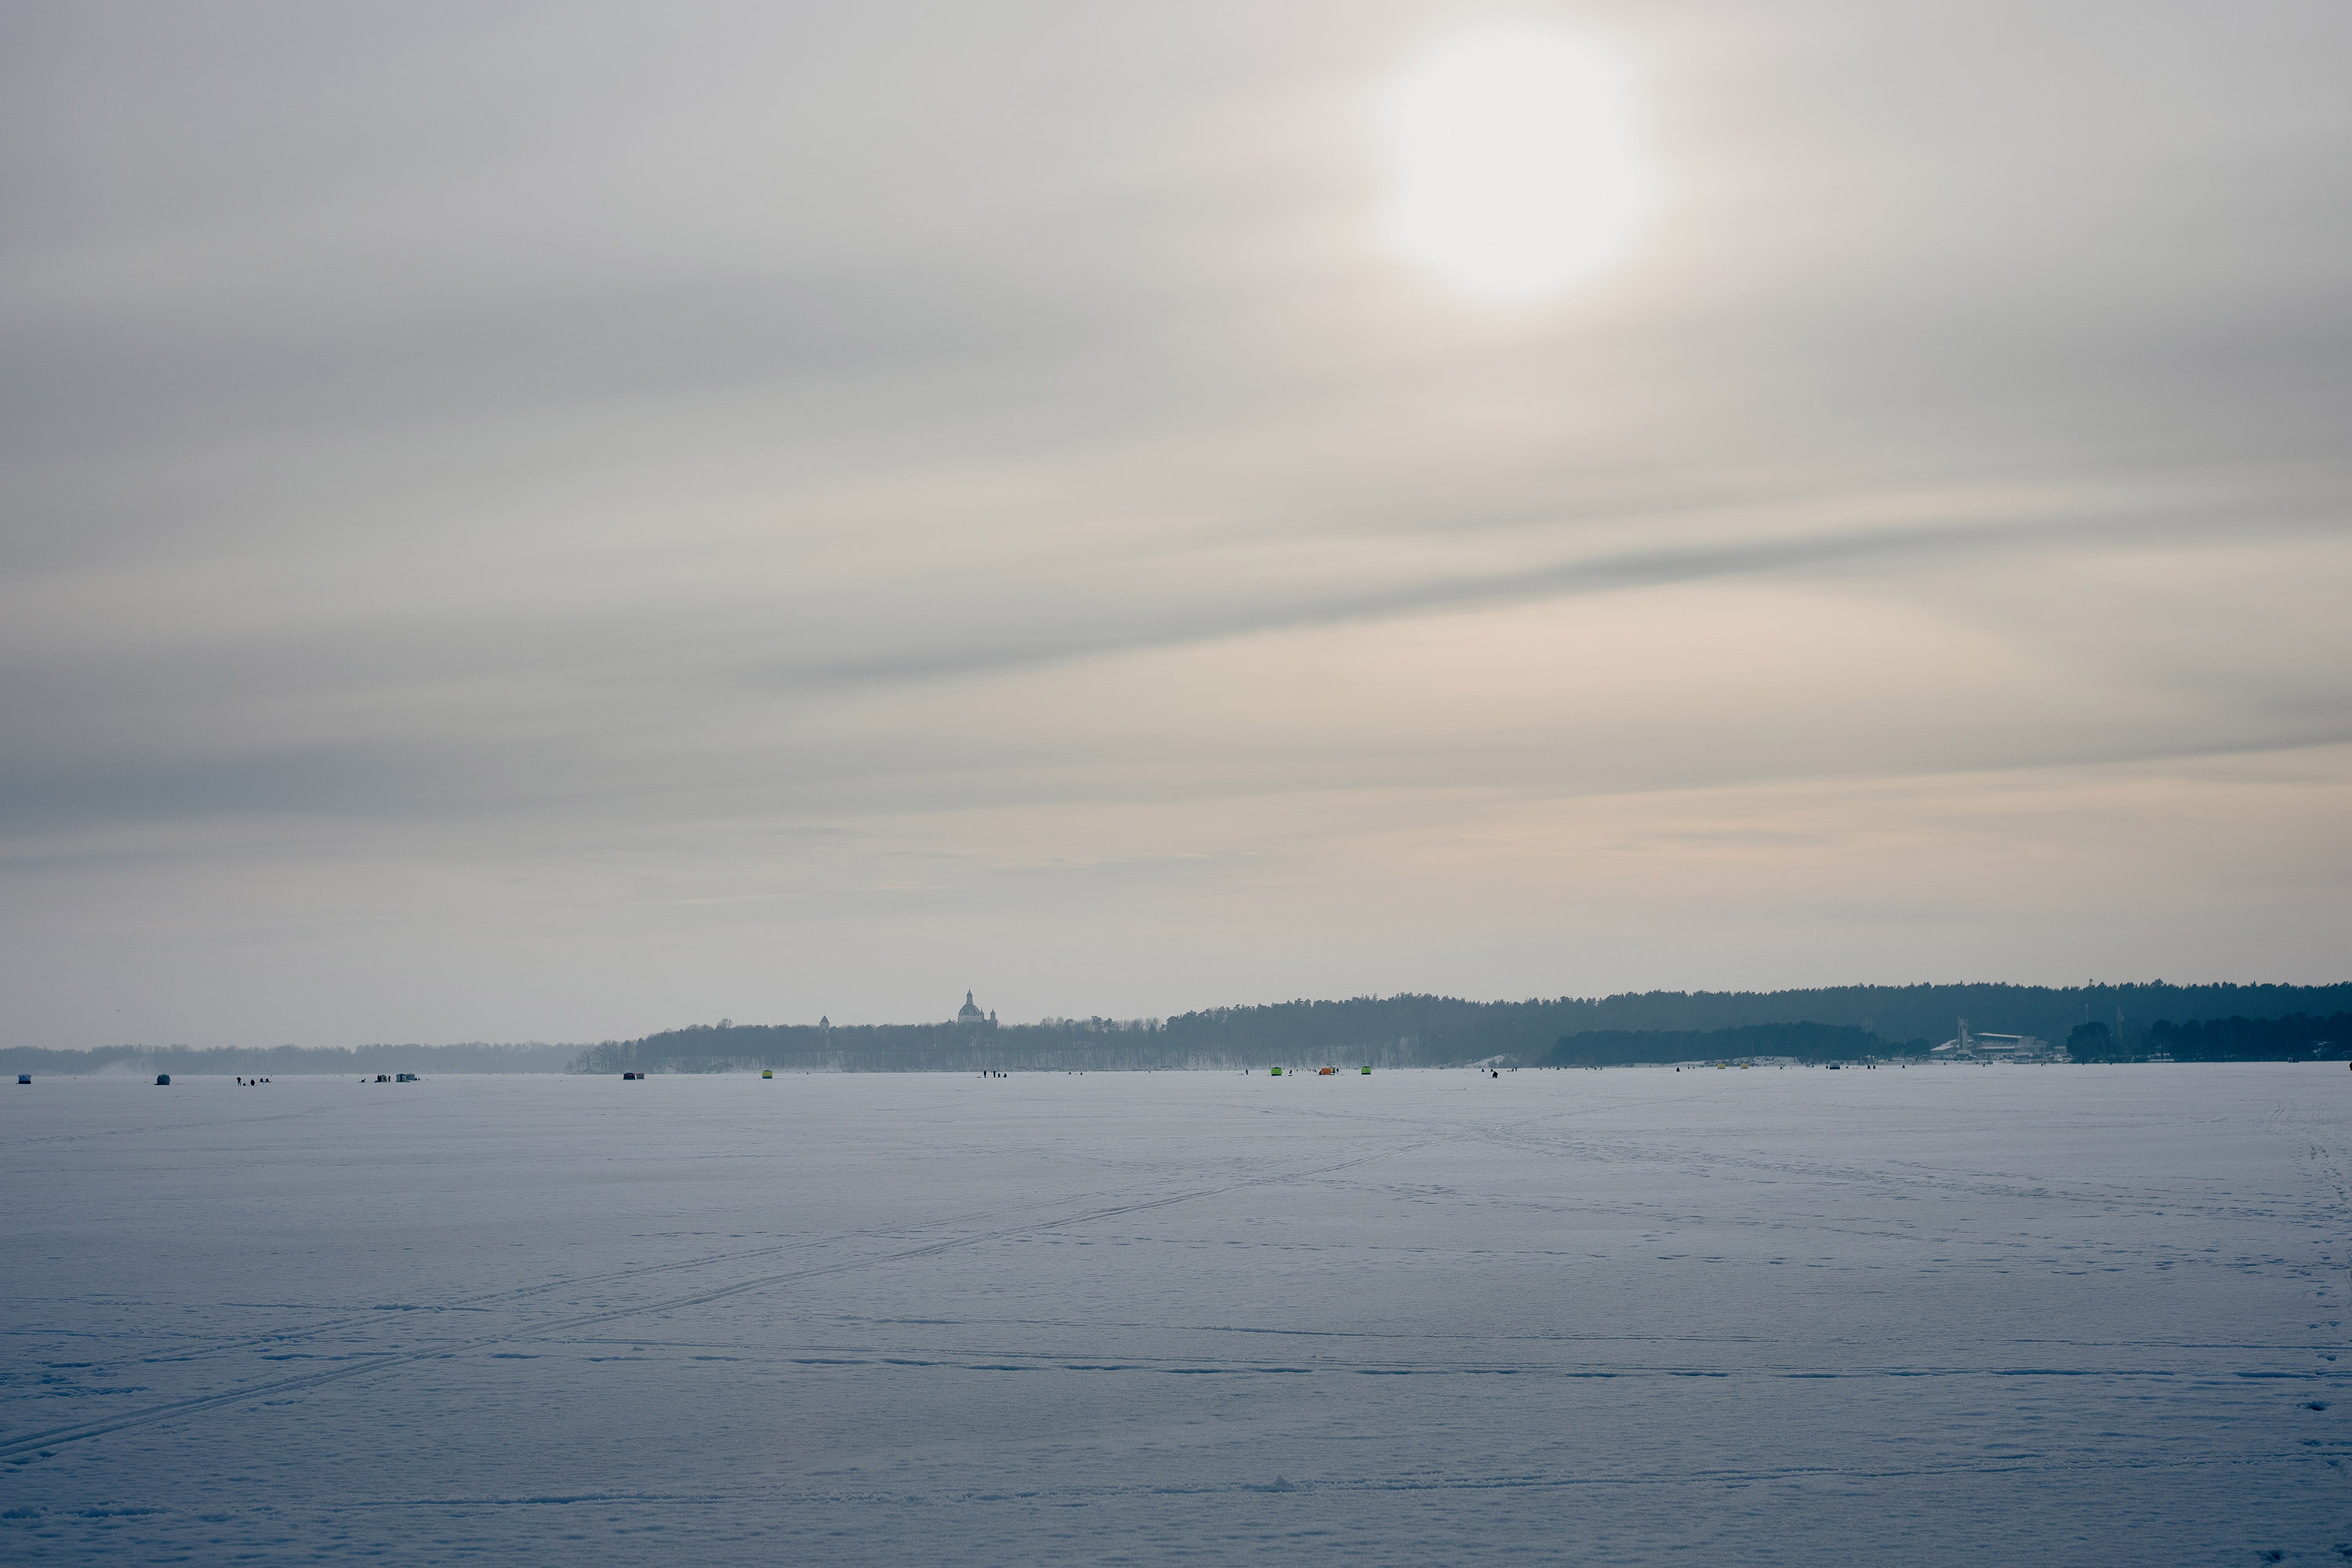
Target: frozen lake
{"type": "Point", "coordinates": [2057, 1315]}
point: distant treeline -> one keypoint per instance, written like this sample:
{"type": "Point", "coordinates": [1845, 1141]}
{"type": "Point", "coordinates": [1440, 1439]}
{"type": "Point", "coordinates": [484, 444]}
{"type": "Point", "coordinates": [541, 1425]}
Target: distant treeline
{"type": "Point", "coordinates": [2296, 1037]}
{"type": "Point", "coordinates": [286, 1061]}
{"type": "Point", "coordinates": [2098, 1023]}
{"type": "Point", "coordinates": [1806, 1042]}
{"type": "Point", "coordinates": [1442, 1031]}
{"type": "Point", "coordinates": [1056, 1045]}
{"type": "Point", "coordinates": [1436, 1031]}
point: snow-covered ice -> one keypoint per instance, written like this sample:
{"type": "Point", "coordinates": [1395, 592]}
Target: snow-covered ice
{"type": "Point", "coordinates": [2086, 1315]}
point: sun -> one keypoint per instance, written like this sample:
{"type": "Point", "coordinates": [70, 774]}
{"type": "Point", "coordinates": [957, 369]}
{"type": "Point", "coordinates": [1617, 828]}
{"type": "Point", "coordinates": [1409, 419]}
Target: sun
{"type": "Point", "coordinates": [1515, 162]}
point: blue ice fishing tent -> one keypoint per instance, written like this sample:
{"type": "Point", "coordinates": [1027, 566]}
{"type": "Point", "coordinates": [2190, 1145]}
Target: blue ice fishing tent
{"type": "Point", "coordinates": [24, 1077]}
{"type": "Point", "coordinates": [162, 1078]}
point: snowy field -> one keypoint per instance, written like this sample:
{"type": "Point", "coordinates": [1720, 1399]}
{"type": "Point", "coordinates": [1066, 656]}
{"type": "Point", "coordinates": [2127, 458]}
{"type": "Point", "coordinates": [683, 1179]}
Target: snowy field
{"type": "Point", "coordinates": [2015, 1315]}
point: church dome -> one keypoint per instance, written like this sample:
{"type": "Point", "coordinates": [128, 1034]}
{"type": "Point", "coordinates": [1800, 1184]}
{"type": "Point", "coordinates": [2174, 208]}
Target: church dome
{"type": "Point", "coordinates": [969, 1015]}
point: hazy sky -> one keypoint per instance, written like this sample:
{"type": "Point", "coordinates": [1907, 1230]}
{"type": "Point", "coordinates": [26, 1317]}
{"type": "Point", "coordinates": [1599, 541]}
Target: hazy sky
{"type": "Point", "coordinates": [554, 521]}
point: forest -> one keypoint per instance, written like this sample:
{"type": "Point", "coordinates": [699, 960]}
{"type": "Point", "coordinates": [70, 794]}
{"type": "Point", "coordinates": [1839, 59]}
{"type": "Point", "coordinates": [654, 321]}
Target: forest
{"type": "Point", "coordinates": [285, 1060]}
{"type": "Point", "coordinates": [2297, 1036]}
{"type": "Point", "coordinates": [1415, 1030]}
{"type": "Point", "coordinates": [1805, 1042]}
{"type": "Point", "coordinates": [2096, 1023]}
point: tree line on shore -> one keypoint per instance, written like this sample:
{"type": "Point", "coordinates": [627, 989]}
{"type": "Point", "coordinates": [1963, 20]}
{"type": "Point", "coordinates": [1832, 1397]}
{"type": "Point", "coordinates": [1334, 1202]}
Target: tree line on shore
{"type": "Point", "coordinates": [1805, 1042]}
{"type": "Point", "coordinates": [1830, 1023]}
{"type": "Point", "coordinates": [262, 1061]}
{"type": "Point", "coordinates": [2298, 1036]}
{"type": "Point", "coordinates": [2097, 1023]}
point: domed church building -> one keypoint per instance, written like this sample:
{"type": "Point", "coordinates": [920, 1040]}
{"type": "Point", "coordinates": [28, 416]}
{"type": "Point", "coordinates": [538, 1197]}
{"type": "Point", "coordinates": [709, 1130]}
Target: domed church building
{"type": "Point", "coordinates": [970, 1017]}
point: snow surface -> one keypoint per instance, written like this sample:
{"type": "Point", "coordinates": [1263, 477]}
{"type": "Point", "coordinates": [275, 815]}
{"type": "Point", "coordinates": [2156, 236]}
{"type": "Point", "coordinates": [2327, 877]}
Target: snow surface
{"type": "Point", "coordinates": [2046, 1315]}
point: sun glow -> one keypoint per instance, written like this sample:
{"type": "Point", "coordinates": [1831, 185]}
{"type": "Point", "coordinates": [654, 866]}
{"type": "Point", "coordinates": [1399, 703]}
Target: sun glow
{"type": "Point", "coordinates": [1516, 163]}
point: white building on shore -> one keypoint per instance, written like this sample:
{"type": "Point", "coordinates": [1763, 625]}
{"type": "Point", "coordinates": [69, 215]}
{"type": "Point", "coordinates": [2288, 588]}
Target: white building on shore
{"type": "Point", "coordinates": [1969, 1046]}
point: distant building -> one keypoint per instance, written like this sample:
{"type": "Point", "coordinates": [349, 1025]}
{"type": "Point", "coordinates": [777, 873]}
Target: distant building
{"type": "Point", "coordinates": [1969, 1046]}
{"type": "Point", "coordinates": [970, 1017]}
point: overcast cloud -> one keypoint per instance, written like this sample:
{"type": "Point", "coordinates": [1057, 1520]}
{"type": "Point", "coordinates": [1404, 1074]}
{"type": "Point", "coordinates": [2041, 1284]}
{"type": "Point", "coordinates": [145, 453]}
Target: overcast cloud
{"type": "Point", "coordinates": [558, 521]}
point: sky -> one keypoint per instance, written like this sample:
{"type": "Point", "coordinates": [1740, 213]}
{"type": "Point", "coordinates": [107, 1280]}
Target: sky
{"type": "Point", "coordinates": [556, 521]}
